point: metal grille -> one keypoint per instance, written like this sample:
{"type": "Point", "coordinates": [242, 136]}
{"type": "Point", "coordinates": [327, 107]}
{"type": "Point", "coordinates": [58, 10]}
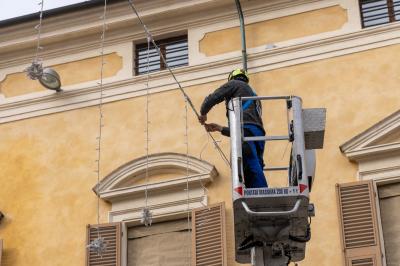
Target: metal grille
{"type": "Point", "coordinates": [357, 216]}
{"type": "Point", "coordinates": [363, 262]}
{"type": "Point", "coordinates": [174, 50]}
{"type": "Point", "coordinates": [209, 236]}
{"type": "Point", "coordinates": [111, 234]}
{"type": "Point", "coordinates": [377, 12]}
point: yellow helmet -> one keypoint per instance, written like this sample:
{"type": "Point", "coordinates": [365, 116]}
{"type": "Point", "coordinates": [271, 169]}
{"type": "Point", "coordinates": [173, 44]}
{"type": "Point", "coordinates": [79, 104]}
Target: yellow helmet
{"type": "Point", "coordinates": [238, 72]}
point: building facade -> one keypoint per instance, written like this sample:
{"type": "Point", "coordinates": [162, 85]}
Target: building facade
{"type": "Point", "coordinates": [336, 54]}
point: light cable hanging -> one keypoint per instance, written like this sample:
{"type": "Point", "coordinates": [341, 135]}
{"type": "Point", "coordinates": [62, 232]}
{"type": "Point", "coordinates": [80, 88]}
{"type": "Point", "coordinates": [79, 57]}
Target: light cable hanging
{"type": "Point", "coordinates": [146, 213]}
{"type": "Point", "coordinates": [187, 174]}
{"type": "Point", "coordinates": [223, 156]}
{"type": "Point", "coordinates": [99, 245]}
{"type": "Point", "coordinates": [48, 77]}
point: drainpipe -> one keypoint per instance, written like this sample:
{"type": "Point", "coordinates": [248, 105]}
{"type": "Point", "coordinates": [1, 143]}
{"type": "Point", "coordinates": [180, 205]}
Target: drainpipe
{"type": "Point", "coordinates": [243, 34]}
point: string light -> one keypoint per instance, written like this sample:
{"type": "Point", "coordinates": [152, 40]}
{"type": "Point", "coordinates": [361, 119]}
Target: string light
{"type": "Point", "coordinates": [99, 245]}
{"type": "Point", "coordinates": [146, 213]}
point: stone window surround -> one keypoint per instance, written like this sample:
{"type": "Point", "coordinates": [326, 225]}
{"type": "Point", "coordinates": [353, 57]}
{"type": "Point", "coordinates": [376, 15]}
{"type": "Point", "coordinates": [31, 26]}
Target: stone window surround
{"type": "Point", "coordinates": [170, 206]}
{"type": "Point", "coordinates": [376, 161]}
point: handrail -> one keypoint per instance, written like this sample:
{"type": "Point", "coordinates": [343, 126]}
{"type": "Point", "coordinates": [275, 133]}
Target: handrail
{"type": "Point", "coordinates": [266, 97]}
{"type": "Point", "coordinates": [270, 214]}
{"type": "Point", "coordinates": [266, 138]}
{"type": "Point", "coordinates": [279, 168]}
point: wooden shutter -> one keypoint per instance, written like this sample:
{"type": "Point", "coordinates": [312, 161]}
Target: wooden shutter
{"type": "Point", "coordinates": [209, 238]}
{"type": "Point", "coordinates": [358, 220]}
{"type": "Point", "coordinates": [112, 234]}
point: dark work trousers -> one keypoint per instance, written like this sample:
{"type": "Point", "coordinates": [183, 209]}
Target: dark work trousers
{"type": "Point", "coordinates": [253, 162]}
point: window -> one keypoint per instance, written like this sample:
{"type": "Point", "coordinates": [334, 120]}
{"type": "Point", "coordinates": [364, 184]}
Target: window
{"type": "Point", "coordinates": [389, 201]}
{"type": "Point", "coordinates": [368, 208]}
{"type": "Point", "coordinates": [377, 12]}
{"type": "Point", "coordinates": [175, 242]}
{"type": "Point", "coordinates": [359, 225]}
{"type": "Point", "coordinates": [174, 50]}
{"type": "Point", "coordinates": [170, 240]}
{"type": "Point", "coordinates": [363, 220]}
{"type": "Point", "coordinates": [165, 243]}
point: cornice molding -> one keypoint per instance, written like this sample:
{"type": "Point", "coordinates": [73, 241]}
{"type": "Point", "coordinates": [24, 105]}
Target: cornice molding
{"type": "Point", "coordinates": [360, 147]}
{"type": "Point", "coordinates": [164, 209]}
{"type": "Point", "coordinates": [110, 187]}
{"type": "Point", "coordinates": [260, 59]}
{"type": "Point", "coordinates": [83, 33]}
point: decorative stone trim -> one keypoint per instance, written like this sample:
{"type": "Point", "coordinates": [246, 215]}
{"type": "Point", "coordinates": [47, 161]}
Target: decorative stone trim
{"type": "Point", "coordinates": [109, 186]}
{"type": "Point", "coordinates": [165, 197]}
{"type": "Point", "coordinates": [84, 95]}
{"type": "Point", "coordinates": [376, 161]}
{"type": "Point", "coordinates": [361, 146]}
{"type": "Point", "coordinates": [83, 27]}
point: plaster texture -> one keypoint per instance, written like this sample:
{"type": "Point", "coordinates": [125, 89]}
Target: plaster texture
{"type": "Point", "coordinates": [75, 72]}
{"type": "Point", "coordinates": [274, 30]}
{"type": "Point", "coordinates": [47, 163]}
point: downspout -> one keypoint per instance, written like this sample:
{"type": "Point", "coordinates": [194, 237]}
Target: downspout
{"type": "Point", "coordinates": [243, 34]}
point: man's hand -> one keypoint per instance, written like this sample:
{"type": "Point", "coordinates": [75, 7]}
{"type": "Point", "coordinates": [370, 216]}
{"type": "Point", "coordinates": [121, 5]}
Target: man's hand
{"type": "Point", "coordinates": [202, 119]}
{"type": "Point", "coordinates": [212, 127]}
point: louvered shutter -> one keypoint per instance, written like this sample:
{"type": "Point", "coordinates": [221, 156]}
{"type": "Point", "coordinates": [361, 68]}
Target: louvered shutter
{"type": "Point", "coordinates": [112, 234]}
{"type": "Point", "coordinates": [209, 238]}
{"type": "Point", "coordinates": [358, 219]}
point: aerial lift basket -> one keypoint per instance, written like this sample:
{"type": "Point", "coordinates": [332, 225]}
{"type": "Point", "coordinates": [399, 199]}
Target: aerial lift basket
{"type": "Point", "coordinates": [272, 225]}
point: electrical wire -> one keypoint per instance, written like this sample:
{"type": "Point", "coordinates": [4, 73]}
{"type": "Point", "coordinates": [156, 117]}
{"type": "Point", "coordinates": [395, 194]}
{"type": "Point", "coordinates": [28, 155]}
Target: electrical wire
{"type": "Point", "coordinates": [35, 70]}
{"type": "Point", "coordinates": [147, 121]}
{"type": "Point", "coordinates": [99, 245]}
{"type": "Point", "coordinates": [187, 173]}
{"type": "Point", "coordinates": [221, 153]}
{"type": "Point", "coordinates": [39, 29]}
{"type": "Point", "coordinates": [146, 213]}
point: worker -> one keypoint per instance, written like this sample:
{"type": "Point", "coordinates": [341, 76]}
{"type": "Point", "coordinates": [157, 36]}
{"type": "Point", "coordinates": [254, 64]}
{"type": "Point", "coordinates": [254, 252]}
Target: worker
{"type": "Point", "coordinates": [253, 151]}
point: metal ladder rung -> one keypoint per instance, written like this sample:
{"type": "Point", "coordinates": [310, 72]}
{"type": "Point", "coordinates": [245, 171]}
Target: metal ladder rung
{"type": "Point", "coordinates": [281, 168]}
{"type": "Point", "coordinates": [266, 98]}
{"type": "Point", "coordinates": [266, 138]}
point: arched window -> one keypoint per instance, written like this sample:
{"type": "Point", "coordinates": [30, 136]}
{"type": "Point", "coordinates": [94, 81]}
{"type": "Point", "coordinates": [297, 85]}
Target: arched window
{"type": "Point", "coordinates": [184, 225]}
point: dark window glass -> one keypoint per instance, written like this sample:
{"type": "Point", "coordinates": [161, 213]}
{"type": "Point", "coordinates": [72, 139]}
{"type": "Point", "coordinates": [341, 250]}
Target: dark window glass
{"type": "Point", "coordinates": [174, 50]}
{"type": "Point", "coordinates": [377, 12]}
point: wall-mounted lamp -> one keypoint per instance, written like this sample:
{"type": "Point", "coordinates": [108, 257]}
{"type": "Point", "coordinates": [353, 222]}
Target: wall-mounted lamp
{"type": "Point", "coordinates": [48, 77]}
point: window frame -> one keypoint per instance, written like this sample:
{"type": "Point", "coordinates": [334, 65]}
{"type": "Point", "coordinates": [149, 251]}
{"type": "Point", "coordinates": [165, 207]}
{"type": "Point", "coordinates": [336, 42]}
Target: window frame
{"type": "Point", "coordinates": [125, 225]}
{"type": "Point", "coordinates": [390, 10]}
{"type": "Point", "coordinates": [161, 43]}
{"type": "Point", "coordinates": [376, 183]}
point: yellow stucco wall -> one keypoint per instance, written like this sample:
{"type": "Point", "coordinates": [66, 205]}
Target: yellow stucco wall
{"type": "Point", "coordinates": [70, 73]}
{"type": "Point", "coordinates": [47, 163]}
{"type": "Point", "coordinates": [274, 30]}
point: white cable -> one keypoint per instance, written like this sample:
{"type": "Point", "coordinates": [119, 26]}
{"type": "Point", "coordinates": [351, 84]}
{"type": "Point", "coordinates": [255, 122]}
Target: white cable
{"type": "Point", "coordinates": [147, 117]}
{"type": "Point", "coordinates": [146, 213]}
{"type": "Point", "coordinates": [99, 245]}
{"type": "Point", "coordinates": [187, 173]}
{"type": "Point", "coordinates": [39, 29]}
{"type": "Point", "coordinates": [35, 70]}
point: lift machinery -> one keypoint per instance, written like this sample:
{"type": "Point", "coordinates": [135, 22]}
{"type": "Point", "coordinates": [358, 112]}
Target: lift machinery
{"type": "Point", "coordinates": [272, 225]}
